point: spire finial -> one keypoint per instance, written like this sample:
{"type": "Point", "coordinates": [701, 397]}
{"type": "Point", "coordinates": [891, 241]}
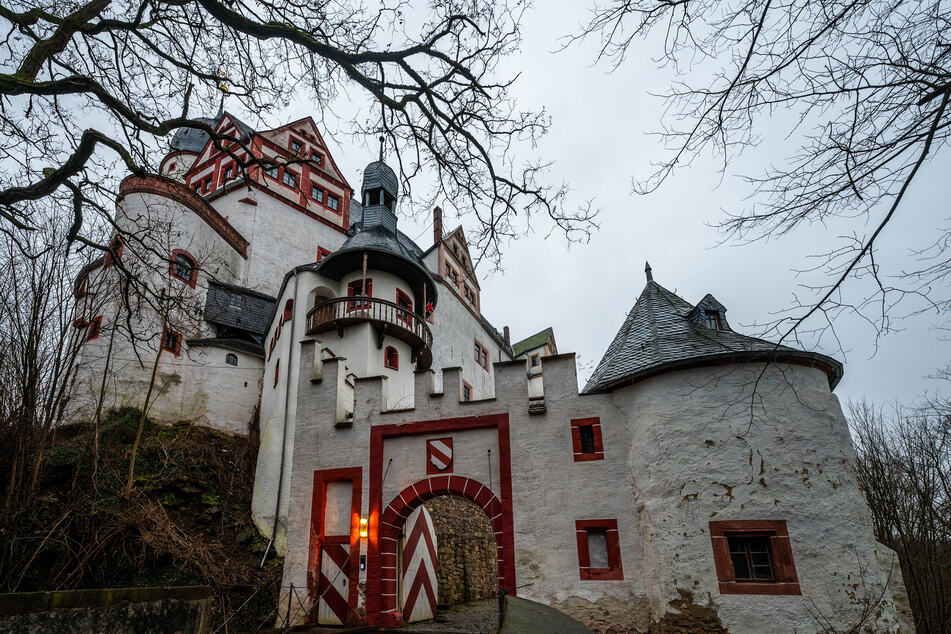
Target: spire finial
{"type": "Point", "coordinates": [647, 271]}
{"type": "Point", "coordinates": [381, 148]}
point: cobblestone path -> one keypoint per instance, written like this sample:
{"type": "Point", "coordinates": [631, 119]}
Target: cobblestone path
{"type": "Point", "coordinates": [478, 617]}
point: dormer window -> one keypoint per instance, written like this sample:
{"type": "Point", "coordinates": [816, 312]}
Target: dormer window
{"type": "Point", "coordinates": [713, 320]}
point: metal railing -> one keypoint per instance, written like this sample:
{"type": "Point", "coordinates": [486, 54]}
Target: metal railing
{"type": "Point", "coordinates": [340, 310]}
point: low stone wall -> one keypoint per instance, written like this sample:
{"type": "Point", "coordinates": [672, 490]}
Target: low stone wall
{"type": "Point", "coordinates": [185, 610]}
{"type": "Point", "coordinates": [466, 568]}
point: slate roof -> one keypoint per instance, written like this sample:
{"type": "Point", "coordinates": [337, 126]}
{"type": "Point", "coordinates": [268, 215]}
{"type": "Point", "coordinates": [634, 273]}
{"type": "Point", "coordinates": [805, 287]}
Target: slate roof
{"type": "Point", "coordinates": [238, 345]}
{"type": "Point", "coordinates": [663, 331]}
{"type": "Point", "coordinates": [238, 307]}
{"type": "Point", "coordinates": [194, 140]}
{"type": "Point", "coordinates": [379, 174]}
{"type": "Point", "coordinates": [537, 340]}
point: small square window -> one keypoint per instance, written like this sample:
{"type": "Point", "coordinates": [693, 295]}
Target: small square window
{"type": "Point", "coordinates": [713, 319]}
{"type": "Point", "coordinates": [296, 147]}
{"type": "Point", "coordinates": [333, 202]}
{"type": "Point", "coordinates": [273, 172]}
{"type": "Point", "coordinates": [586, 439]}
{"type": "Point", "coordinates": [599, 550]}
{"type": "Point", "coordinates": [316, 157]}
{"type": "Point", "coordinates": [289, 179]}
{"type": "Point", "coordinates": [536, 360]}
{"type": "Point", "coordinates": [316, 193]}
{"type": "Point", "coordinates": [172, 341]}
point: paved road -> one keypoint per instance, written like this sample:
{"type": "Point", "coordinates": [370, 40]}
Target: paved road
{"type": "Point", "coordinates": [479, 617]}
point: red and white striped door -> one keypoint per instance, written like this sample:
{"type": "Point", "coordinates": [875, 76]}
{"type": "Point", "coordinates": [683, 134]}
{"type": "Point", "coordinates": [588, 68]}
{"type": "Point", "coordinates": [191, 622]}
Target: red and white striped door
{"type": "Point", "coordinates": [419, 567]}
{"type": "Point", "coordinates": [332, 586]}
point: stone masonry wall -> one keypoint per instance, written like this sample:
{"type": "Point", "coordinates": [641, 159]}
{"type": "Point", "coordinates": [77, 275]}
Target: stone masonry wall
{"type": "Point", "coordinates": [465, 567]}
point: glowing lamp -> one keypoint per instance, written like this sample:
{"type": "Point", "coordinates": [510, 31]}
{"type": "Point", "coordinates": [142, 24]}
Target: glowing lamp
{"type": "Point", "coordinates": [363, 527]}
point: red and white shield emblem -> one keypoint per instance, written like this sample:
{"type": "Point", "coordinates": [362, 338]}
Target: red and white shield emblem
{"type": "Point", "coordinates": [439, 455]}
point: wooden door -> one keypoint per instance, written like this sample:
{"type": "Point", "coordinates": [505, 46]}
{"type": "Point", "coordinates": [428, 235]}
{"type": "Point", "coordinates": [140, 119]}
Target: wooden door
{"type": "Point", "coordinates": [418, 589]}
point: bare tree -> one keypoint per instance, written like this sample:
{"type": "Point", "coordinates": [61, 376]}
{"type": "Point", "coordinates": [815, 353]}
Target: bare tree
{"type": "Point", "coordinates": [86, 84]}
{"type": "Point", "coordinates": [866, 84]}
{"type": "Point", "coordinates": [904, 468]}
{"type": "Point", "coordinates": [39, 344]}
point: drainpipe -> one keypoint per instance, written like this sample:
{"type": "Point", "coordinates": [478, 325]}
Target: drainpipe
{"type": "Point", "coordinates": [287, 411]}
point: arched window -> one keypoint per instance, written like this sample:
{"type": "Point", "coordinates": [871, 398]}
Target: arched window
{"type": "Point", "coordinates": [184, 267]}
{"type": "Point", "coordinates": [391, 358]}
{"type": "Point", "coordinates": [231, 358]}
{"type": "Point", "coordinates": [288, 309]}
{"type": "Point", "coordinates": [403, 301]}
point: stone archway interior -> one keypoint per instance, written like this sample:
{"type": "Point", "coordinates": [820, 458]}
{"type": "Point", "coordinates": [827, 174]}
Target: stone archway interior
{"type": "Point", "coordinates": [466, 554]}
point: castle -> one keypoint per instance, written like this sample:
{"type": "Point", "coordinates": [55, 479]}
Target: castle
{"type": "Point", "coordinates": [287, 303]}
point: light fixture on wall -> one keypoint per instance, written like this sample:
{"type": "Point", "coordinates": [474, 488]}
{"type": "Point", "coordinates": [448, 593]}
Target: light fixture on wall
{"type": "Point", "coordinates": [363, 527]}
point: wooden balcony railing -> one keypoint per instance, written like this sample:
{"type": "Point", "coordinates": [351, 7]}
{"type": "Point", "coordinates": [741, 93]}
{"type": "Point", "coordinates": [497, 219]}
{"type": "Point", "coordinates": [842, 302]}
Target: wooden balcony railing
{"type": "Point", "coordinates": [388, 318]}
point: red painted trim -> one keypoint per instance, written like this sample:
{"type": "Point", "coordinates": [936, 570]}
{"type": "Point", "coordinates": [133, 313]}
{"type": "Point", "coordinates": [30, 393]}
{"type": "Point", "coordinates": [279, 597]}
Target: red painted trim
{"type": "Point", "coordinates": [322, 252]}
{"type": "Point", "coordinates": [116, 244]}
{"type": "Point", "coordinates": [614, 571]}
{"type": "Point", "coordinates": [94, 328]}
{"type": "Point", "coordinates": [277, 372]}
{"type": "Point", "coordinates": [177, 350]}
{"type": "Point", "coordinates": [356, 286]}
{"type": "Point", "coordinates": [193, 278]}
{"type": "Point", "coordinates": [383, 533]}
{"type": "Point", "coordinates": [288, 310]}
{"type": "Point", "coordinates": [318, 538]}
{"type": "Point", "coordinates": [595, 424]}
{"type": "Point", "coordinates": [786, 580]}
{"type": "Point", "coordinates": [173, 190]}
{"type": "Point", "coordinates": [391, 358]}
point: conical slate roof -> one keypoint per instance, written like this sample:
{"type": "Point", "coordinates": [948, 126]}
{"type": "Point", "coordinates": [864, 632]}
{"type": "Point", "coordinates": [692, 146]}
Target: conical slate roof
{"type": "Point", "coordinates": [664, 332]}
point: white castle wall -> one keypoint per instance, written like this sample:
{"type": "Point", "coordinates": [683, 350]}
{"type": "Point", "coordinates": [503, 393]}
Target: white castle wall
{"type": "Point", "coordinates": [672, 464]}
{"type": "Point", "coordinates": [187, 386]}
{"type": "Point", "coordinates": [280, 237]}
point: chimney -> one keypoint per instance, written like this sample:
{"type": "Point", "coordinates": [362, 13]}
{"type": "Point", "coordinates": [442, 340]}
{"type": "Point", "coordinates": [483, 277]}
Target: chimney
{"type": "Point", "coordinates": [437, 225]}
{"type": "Point", "coordinates": [505, 335]}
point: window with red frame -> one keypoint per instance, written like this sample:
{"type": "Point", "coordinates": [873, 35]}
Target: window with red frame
{"type": "Point", "coordinates": [753, 557]}
{"type": "Point", "coordinates": [115, 245]}
{"type": "Point", "coordinates": [288, 310]}
{"type": "Point", "coordinates": [94, 328]}
{"type": "Point", "coordinates": [586, 440]}
{"type": "Point", "coordinates": [599, 550]}
{"type": "Point", "coordinates": [391, 358]}
{"type": "Point", "coordinates": [466, 392]}
{"type": "Point", "coordinates": [316, 193]}
{"type": "Point", "coordinates": [289, 179]}
{"type": "Point", "coordinates": [172, 341]}
{"type": "Point", "coordinates": [184, 267]}
{"type": "Point", "coordinates": [322, 253]}
{"type": "Point", "coordinates": [481, 356]}
{"type": "Point", "coordinates": [356, 289]}
{"type": "Point", "coordinates": [403, 301]}
{"type": "Point", "coordinates": [316, 157]}
{"type": "Point", "coordinates": [296, 146]}
{"type": "Point", "coordinates": [277, 372]}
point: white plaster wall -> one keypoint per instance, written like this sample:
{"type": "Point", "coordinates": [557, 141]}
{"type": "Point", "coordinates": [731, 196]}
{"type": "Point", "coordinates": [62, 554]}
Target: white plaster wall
{"type": "Point", "coordinates": [672, 463]}
{"type": "Point", "coordinates": [696, 455]}
{"type": "Point", "coordinates": [280, 237]}
{"type": "Point", "coordinates": [189, 386]}
{"type": "Point", "coordinates": [455, 330]}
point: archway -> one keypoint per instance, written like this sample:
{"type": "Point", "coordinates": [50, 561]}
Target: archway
{"type": "Point", "coordinates": [412, 497]}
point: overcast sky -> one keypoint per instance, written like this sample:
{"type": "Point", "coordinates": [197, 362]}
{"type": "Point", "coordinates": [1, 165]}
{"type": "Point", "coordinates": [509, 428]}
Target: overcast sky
{"type": "Point", "coordinates": [598, 140]}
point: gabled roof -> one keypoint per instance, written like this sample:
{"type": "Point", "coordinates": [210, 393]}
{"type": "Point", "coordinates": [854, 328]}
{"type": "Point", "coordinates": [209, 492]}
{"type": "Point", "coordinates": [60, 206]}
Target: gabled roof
{"type": "Point", "coordinates": [662, 332]}
{"type": "Point", "coordinates": [537, 340]}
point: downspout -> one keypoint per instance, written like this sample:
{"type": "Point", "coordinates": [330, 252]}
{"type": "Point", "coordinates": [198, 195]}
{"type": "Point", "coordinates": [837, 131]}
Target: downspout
{"type": "Point", "coordinates": [287, 411]}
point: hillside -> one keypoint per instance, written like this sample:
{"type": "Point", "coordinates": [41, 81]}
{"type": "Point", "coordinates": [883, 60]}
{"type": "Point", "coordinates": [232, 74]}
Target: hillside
{"type": "Point", "coordinates": [187, 521]}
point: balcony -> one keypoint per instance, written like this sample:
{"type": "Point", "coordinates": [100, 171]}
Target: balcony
{"type": "Point", "coordinates": [387, 318]}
